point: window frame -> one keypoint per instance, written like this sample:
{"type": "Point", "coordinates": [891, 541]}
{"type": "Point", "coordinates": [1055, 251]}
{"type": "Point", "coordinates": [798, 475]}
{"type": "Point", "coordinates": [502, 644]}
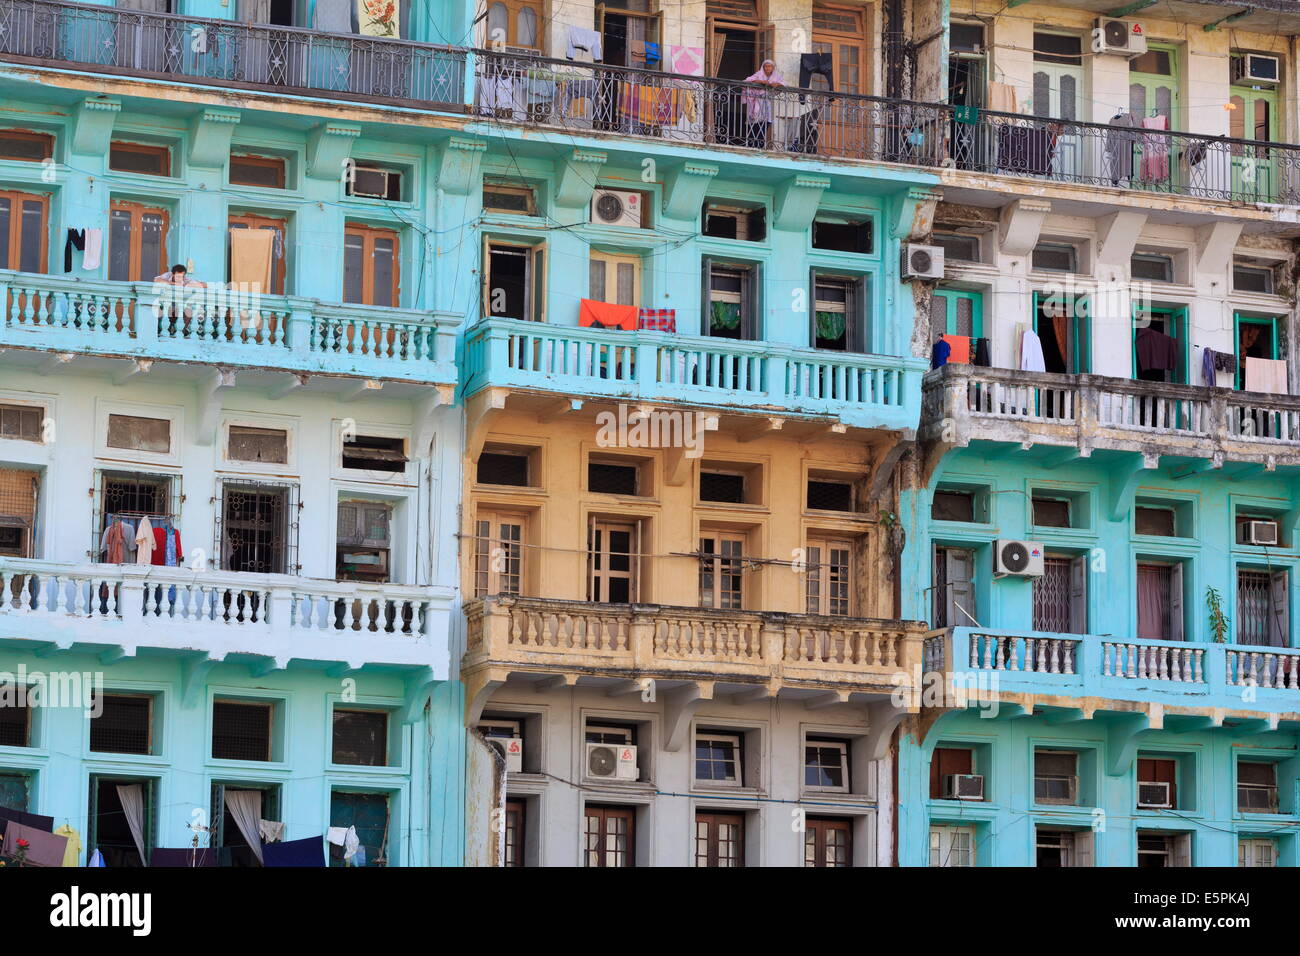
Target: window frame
{"type": "Point", "coordinates": [737, 742]}
{"type": "Point", "coordinates": [534, 283]}
{"type": "Point", "coordinates": [598, 578]}
{"type": "Point", "coordinates": [135, 255]}
{"type": "Point", "coordinates": [268, 706]}
{"type": "Point", "coordinates": [31, 136]}
{"type": "Point", "coordinates": [494, 516]}
{"type": "Point", "coordinates": [821, 573]}
{"type": "Point", "coordinates": [513, 8]}
{"type": "Point", "coordinates": [711, 563]}
{"type": "Point", "coordinates": [17, 199]}
{"type": "Point", "coordinates": [611, 263]}
{"type": "Point", "coordinates": [368, 236]}
{"type": "Point", "coordinates": [279, 267]}
{"type": "Point", "coordinates": [826, 743]}
{"type": "Point", "coordinates": [278, 163]}
{"type": "Point", "coordinates": [713, 820]}
{"type": "Point", "coordinates": [151, 149]}
{"type": "Point", "coordinates": [817, 829]}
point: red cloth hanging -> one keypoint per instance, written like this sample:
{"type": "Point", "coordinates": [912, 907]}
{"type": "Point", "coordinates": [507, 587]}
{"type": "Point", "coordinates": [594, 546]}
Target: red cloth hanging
{"type": "Point", "coordinates": [606, 315]}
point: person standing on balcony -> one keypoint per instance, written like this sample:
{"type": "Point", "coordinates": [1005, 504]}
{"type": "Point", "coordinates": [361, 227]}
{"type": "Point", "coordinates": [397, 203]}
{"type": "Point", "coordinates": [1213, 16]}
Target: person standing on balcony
{"type": "Point", "coordinates": [758, 103]}
{"type": "Point", "coordinates": [179, 277]}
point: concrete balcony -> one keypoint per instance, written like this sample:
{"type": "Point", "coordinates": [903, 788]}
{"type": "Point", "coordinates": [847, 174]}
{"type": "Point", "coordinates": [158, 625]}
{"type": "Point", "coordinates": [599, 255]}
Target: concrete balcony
{"type": "Point", "coordinates": [227, 53]}
{"type": "Point", "coordinates": [759, 378]}
{"type": "Point", "coordinates": [269, 620]}
{"type": "Point", "coordinates": [132, 322]}
{"type": "Point", "coordinates": [1193, 685]}
{"type": "Point", "coordinates": [687, 655]}
{"type": "Point", "coordinates": [963, 403]}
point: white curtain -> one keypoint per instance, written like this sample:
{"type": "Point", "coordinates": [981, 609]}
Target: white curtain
{"type": "Point", "coordinates": [246, 807]}
{"type": "Point", "coordinates": [131, 796]}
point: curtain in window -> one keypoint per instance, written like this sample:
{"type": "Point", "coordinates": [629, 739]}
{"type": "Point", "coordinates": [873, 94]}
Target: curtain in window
{"type": "Point", "coordinates": [132, 798]}
{"type": "Point", "coordinates": [1153, 598]}
{"type": "Point", "coordinates": [246, 807]}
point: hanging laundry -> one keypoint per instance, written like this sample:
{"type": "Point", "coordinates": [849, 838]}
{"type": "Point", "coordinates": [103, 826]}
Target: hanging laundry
{"type": "Point", "coordinates": [96, 859]}
{"type": "Point", "coordinates": [1266, 375]}
{"type": "Point", "coordinates": [94, 249]}
{"type": "Point", "coordinates": [982, 354]}
{"type": "Point", "coordinates": [686, 60]}
{"type": "Point", "coordinates": [1002, 98]}
{"type": "Point", "coordinates": [336, 835]}
{"type": "Point", "coordinates": [1031, 353]}
{"type": "Point", "coordinates": [939, 354]}
{"type": "Point", "coordinates": [332, 16]}
{"type": "Point", "coordinates": [43, 848]}
{"type": "Point", "coordinates": [1156, 352]}
{"type": "Point", "coordinates": [351, 842]}
{"type": "Point", "coordinates": [584, 45]}
{"type": "Point", "coordinates": [34, 820]}
{"type": "Point", "coordinates": [816, 64]}
{"type": "Point", "coordinates": [111, 543]}
{"type": "Point", "coordinates": [307, 852]}
{"type": "Point", "coordinates": [968, 115]}
{"type": "Point", "coordinates": [272, 831]}
{"type": "Point", "coordinates": [1155, 151]}
{"type": "Point", "coordinates": [1225, 362]}
{"type": "Point", "coordinates": [166, 549]}
{"type": "Point", "coordinates": [144, 543]}
{"type": "Point", "coordinates": [72, 855]}
{"type": "Point", "coordinates": [607, 315]}
{"type": "Point", "coordinates": [76, 240]}
{"type": "Point", "coordinates": [657, 320]}
{"type": "Point", "coordinates": [1118, 142]}
{"type": "Point", "coordinates": [959, 349]}
{"type": "Point", "coordinates": [1209, 375]}
{"type": "Point", "coordinates": [250, 258]}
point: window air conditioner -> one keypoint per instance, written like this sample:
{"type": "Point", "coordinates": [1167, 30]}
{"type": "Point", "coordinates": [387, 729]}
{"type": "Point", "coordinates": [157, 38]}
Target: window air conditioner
{"type": "Point", "coordinates": [1125, 37]}
{"type": "Point", "coordinates": [1019, 558]}
{"type": "Point", "coordinates": [1256, 68]}
{"type": "Point", "coordinates": [616, 207]}
{"type": "Point", "coordinates": [1262, 532]}
{"type": "Point", "coordinates": [369, 183]}
{"type": "Point", "coordinates": [611, 762]}
{"type": "Point", "coordinates": [963, 786]}
{"type": "Point", "coordinates": [1154, 796]}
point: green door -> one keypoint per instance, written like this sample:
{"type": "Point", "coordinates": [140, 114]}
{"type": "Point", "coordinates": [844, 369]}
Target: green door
{"type": "Point", "coordinates": [1173, 323]}
{"type": "Point", "coordinates": [1152, 92]}
{"type": "Point", "coordinates": [1254, 168]}
{"type": "Point", "coordinates": [957, 312]}
{"type": "Point", "coordinates": [368, 812]}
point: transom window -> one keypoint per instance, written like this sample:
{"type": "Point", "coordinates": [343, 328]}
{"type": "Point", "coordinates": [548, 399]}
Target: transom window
{"type": "Point", "coordinates": [718, 758]}
{"type": "Point", "coordinates": [829, 575]}
{"type": "Point", "coordinates": [722, 561]}
{"type": "Point", "coordinates": [826, 765]}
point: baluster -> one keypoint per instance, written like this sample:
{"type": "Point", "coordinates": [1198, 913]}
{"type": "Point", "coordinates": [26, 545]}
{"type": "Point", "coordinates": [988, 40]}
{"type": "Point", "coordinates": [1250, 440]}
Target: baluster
{"type": "Point", "coordinates": [1132, 659]}
{"type": "Point", "coordinates": [999, 658]}
{"type": "Point", "coordinates": [1106, 660]}
{"type": "Point", "coordinates": [1013, 655]}
{"type": "Point", "coordinates": [975, 652]}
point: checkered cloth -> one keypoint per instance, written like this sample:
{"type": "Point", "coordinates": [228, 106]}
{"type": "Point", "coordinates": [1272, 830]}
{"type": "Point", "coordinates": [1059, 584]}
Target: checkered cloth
{"type": "Point", "coordinates": [657, 320]}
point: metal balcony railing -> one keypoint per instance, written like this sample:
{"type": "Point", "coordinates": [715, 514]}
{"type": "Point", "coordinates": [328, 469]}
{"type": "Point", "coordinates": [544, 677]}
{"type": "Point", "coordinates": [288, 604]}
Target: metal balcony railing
{"type": "Point", "coordinates": [710, 111]}
{"type": "Point", "coordinates": [227, 53]}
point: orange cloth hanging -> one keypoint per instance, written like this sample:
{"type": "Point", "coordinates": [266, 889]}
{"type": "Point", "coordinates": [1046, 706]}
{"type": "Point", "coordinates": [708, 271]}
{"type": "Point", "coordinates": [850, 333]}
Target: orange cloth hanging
{"type": "Point", "coordinates": [959, 346]}
{"type": "Point", "coordinates": [606, 315]}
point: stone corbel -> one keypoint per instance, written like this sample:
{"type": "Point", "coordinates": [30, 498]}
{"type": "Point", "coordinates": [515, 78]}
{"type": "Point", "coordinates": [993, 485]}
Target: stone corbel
{"type": "Point", "coordinates": [883, 719]}
{"type": "Point", "coordinates": [93, 126]}
{"type": "Point", "coordinates": [1125, 480]}
{"type": "Point", "coordinates": [684, 189]}
{"type": "Point", "coordinates": [418, 687]}
{"type": "Point", "coordinates": [194, 677]}
{"type": "Point", "coordinates": [680, 705]}
{"type": "Point", "coordinates": [915, 218]}
{"type": "Point", "coordinates": [428, 410]}
{"type": "Point", "coordinates": [1122, 740]}
{"type": "Point", "coordinates": [210, 392]}
{"type": "Point", "coordinates": [479, 688]}
{"type": "Point", "coordinates": [210, 135]}
{"type": "Point", "coordinates": [458, 171]}
{"type": "Point", "coordinates": [796, 202]}
{"type": "Point", "coordinates": [1020, 224]}
{"type": "Point", "coordinates": [577, 179]}
{"type": "Point", "coordinates": [883, 463]}
{"type": "Point", "coordinates": [1215, 243]}
{"type": "Point", "coordinates": [1117, 236]}
{"type": "Point", "coordinates": [480, 411]}
{"type": "Point", "coordinates": [329, 146]}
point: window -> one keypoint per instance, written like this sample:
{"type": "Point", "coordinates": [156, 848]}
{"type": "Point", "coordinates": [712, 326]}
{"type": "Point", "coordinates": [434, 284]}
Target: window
{"type": "Point", "coordinates": [241, 730]}
{"type": "Point", "coordinates": [140, 158]}
{"type": "Point", "coordinates": [949, 762]}
{"type": "Point", "coordinates": [259, 274]}
{"type": "Point", "coordinates": [503, 468]}
{"type": "Point", "coordinates": [842, 236]}
{"type": "Point", "coordinates": [21, 422]}
{"type": "Point", "coordinates": [16, 790]}
{"type": "Point", "coordinates": [827, 842]}
{"type": "Point", "coordinates": [498, 553]}
{"type": "Point", "coordinates": [826, 765]}
{"type": "Point", "coordinates": [1257, 787]}
{"type": "Point", "coordinates": [1062, 325]}
{"type": "Point", "coordinates": [119, 809]}
{"type": "Point", "coordinates": [1160, 601]}
{"type": "Point", "coordinates": [375, 453]}
{"type": "Point", "coordinates": [364, 542]}
{"type": "Point", "coordinates": [19, 496]}
{"type": "Point", "coordinates": [953, 506]}
{"type": "Point", "coordinates": [1256, 852]}
{"type": "Point", "coordinates": [257, 528]}
{"type": "Point", "coordinates": [611, 479]}
{"type": "Point", "coordinates": [827, 583]}
{"type": "Point", "coordinates": [505, 198]}
{"type": "Point", "coordinates": [1152, 267]}
{"type": "Point", "coordinates": [727, 487]}
{"type": "Point", "coordinates": [360, 737]}
{"type": "Point", "coordinates": [952, 846]}
{"type": "Point", "coordinates": [514, 281]}
{"type": "Point", "coordinates": [615, 279]}
{"type": "Point", "coordinates": [372, 181]}
{"type": "Point", "coordinates": [227, 832]}
{"type": "Point", "coordinates": [515, 24]}
{"type": "Point", "coordinates": [15, 724]}
{"type": "Point", "coordinates": [23, 233]}
{"type": "Point", "coordinates": [746, 223]}
{"type": "Point", "coordinates": [1062, 848]}
{"type": "Point", "coordinates": [956, 312]}
{"type": "Point", "coordinates": [260, 445]}
{"type": "Point", "coordinates": [731, 300]}
{"type": "Point", "coordinates": [718, 759]}
{"type": "Point", "coordinates": [1252, 278]}
{"type": "Point", "coordinates": [137, 242]}
{"type": "Point", "coordinates": [137, 433]}
{"type": "Point", "coordinates": [1051, 513]}
{"type": "Point", "coordinates": [124, 725]}
{"type": "Point", "coordinates": [1157, 781]}
{"type": "Point", "coordinates": [839, 319]}
{"type": "Point", "coordinates": [1157, 849]}
{"type": "Point", "coordinates": [722, 563]}
{"type": "Point", "coordinates": [516, 818]}
{"type": "Point", "coordinates": [26, 146]}
{"type": "Point", "coordinates": [966, 37]}
{"type": "Point", "coordinates": [825, 495]}
{"type": "Point", "coordinates": [1060, 595]}
{"type": "Point", "coordinates": [613, 552]}
{"type": "Point", "coordinates": [609, 734]}
{"type": "Point", "coordinates": [1058, 48]}
{"type": "Point", "coordinates": [1056, 778]}
{"type": "Point", "coordinates": [129, 496]}
{"type": "Point", "coordinates": [957, 247]}
{"type": "Point", "coordinates": [719, 839]}
{"type": "Point", "coordinates": [608, 836]}
{"type": "Point", "coordinates": [1055, 257]}
{"type": "Point", "coordinates": [954, 590]}
{"type": "Point", "coordinates": [266, 171]}
{"type": "Point", "coordinates": [370, 265]}
{"type": "Point", "coordinates": [371, 814]}
{"type": "Point", "coordinates": [1263, 608]}
{"type": "Point", "coordinates": [1154, 521]}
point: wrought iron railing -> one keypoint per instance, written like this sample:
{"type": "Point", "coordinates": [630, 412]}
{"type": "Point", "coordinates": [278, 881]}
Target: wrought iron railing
{"type": "Point", "coordinates": [706, 110]}
{"type": "Point", "coordinates": [224, 52]}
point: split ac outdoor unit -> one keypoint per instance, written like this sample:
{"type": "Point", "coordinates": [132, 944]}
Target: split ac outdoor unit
{"type": "Point", "coordinates": [611, 762]}
{"type": "Point", "coordinates": [922, 262]}
{"type": "Point", "coordinates": [1262, 532]}
{"type": "Point", "coordinates": [1125, 37]}
{"type": "Point", "coordinates": [616, 207]}
{"type": "Point", "coordinates": [963, 786]}
{"type": "Point", "coordinates": [1154, 796]}
{"type": "Point", "coordinates": [513, 749]}
{"type": "Point", "coordinates": [1020, 558]}
{"type": "Point", "coordinates": [1256, 68]}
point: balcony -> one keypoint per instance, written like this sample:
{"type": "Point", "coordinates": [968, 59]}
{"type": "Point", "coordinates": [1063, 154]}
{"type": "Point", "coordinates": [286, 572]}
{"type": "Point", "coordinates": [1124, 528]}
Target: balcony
{"type": "Point", "coordinates": [228, 53]}
{"type": "Point", "coordinates": [1255, 685]}
{"type": "Point", "coordinates": [132, 321]}
{"type": "Point", "coordinates": [1086, 412]}
{"type": "Point", "coordinates": [680, 650]}
{"type": "Point", "coordinates": [272, 617]}
{"type": "Point", "coordinates": [868, 391]}
{"type": "Point", "coordinates": [829, 126]}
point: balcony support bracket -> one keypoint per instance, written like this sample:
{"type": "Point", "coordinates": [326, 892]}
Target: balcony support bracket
{"type": "Point", "coordinates": [479, 688]}
{"type": "Point", "coordinates": [1215, 242]}
{"type": "Point", "coordinates": [419, 685]}
{"type": "Point", "coordinates": [883, 464]}
{"type": "Point", "coordinates": [1020, 224]}
{"type": "Point", "coordinates": [796, 202]}
{"type": "Point", "coordinates": [1123, 487]}
{"type": "Point", "coordinates": [883, 719]}
{"type": "Point", "coordinates": [210, 393]}
{"type": "Point", "coordinates": [429, 410]}
{"type": "Point", "coordinates": [93, 127]}
{"type": "Point", "coordinates": [194, 677]}
{"type": "Point", "coordinates": [480, 412]}
{"type": "Point", "coordinates": [458, 171]}
{"type": "Point", "coordinates": [577, 179]}
{"type": "Point", "coordinates": [329, 150]}
{"type": "Point", "coordinates": [1117, 236]}
{"type": "Point", "coordinates": [915, 217]}
{"type": "Point", "coordinates": [210, 135]}
{"type": "Point", "coordinates": [684, 189]}
{"type": "Point", "coordinates": [680, 705]}
{"type": "Point", "coordinates": [1122, 740]}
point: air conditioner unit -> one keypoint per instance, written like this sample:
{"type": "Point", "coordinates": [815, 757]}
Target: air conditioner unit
{"type": "Point", "coordinates": [1262, 532]}
{"type": "Point", "coordinates": [922, 262]}
{"type": "Point", "coordinates": [1256, 68]}
{"type": "Point", "coordinates": [611, 762]}
{"type": "Point", "coordinates": [369, 183]}
{"type": "Point", "coordinates": [963, 786]}
{"type": "Point", "coordinates": [1056, 789]}
{"type": "Point", "coordinates": [1154, 796]}
{"type": "Point", "coordinates": [1020, 558]}
{"type": "Point", "coordinates": [617, 207]}
{"type": "Point", "coordinates": [513, 749]}
{"type": "Point", "coordinates": [1125, 37]}
{"type": "Point", "coordinates": [1256, 798]}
